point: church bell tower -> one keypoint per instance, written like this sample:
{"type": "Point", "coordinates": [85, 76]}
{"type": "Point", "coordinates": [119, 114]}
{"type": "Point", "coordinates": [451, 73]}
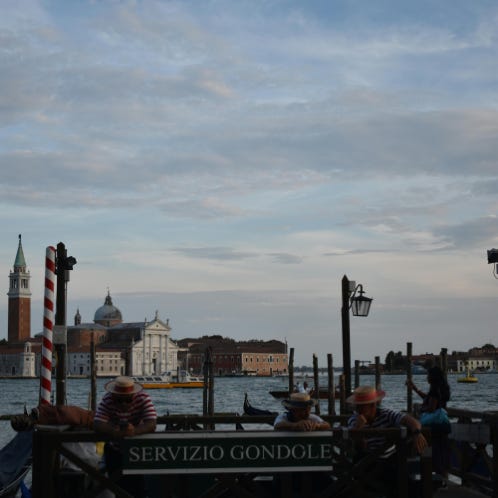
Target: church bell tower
{"type": "Point", "coordinates": [19, 328]}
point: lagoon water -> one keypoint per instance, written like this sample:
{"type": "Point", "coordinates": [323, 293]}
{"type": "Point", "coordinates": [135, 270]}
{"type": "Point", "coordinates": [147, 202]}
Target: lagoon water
{"type": "Point", "coordinates": [229, 395]}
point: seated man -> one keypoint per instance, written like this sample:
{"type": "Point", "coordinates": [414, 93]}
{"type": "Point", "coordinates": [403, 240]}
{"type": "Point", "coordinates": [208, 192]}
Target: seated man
{"type": "Point", "coordinates": [368, 415]}
{"type": "Point", "coordinates": [125, 410]}
{"type": "Point", "coordinates": [298, 416]}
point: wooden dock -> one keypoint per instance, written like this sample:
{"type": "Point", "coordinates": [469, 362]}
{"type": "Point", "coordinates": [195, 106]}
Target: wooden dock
{"type": "Point", "coordinates": [328, 452]}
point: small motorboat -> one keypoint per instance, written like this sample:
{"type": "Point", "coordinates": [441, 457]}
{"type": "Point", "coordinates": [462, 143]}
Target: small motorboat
{"type": "Point", "coordinates": [468, 379]}
{"type": "Point", "coordinates": [170, 380]}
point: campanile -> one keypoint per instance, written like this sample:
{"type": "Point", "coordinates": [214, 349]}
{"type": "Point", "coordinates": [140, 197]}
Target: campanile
{"type": "Point", "coordinates": [19, 328]}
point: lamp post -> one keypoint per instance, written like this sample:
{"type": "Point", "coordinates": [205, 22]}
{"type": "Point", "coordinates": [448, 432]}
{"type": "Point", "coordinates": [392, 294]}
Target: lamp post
{"type": "Point", "coordinates": [360, 306]}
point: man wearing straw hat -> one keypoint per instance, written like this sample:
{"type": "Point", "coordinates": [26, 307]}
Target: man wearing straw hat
{"type": "Point", "coordinates": [298, 416]}
{"type": "Point", "coordinates": [368, 415]}
{"type": "Point", "coordinates": [125, 410]}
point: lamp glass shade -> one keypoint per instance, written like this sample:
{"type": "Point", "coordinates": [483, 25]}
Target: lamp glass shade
{"type": "Point", "coordinates": [360, 305]}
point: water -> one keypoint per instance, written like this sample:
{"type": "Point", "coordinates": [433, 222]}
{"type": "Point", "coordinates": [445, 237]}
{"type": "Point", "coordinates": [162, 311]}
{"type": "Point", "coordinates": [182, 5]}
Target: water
{"type": "Point", "coordinates": [229, 395]}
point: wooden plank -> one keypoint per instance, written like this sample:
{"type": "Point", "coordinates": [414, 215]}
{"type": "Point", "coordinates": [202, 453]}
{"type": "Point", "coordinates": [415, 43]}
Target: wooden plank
{"type": "Point", "coordinates": [472, 433]}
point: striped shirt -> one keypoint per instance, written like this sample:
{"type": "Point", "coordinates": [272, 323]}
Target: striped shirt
{"type": "Point", "coordinates": [140, 410]}
{"type": "Point", "coordinates": [384, 419]}
{"type": "Point", "coordinates": [287, 417]}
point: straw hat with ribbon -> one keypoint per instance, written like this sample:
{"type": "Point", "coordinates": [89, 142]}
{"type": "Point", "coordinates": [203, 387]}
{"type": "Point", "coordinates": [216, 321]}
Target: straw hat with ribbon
{"type": "Point", "coordinates": [364, 395]}
{"type": "Point", "coordinates": [299, 400]}
{"type": "Point", "coordinates": [123, 386]}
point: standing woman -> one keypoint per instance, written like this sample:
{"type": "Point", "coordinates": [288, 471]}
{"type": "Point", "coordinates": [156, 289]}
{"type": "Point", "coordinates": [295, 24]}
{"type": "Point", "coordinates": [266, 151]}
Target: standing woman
{"type": "Point", "coordinates": [437, 397]}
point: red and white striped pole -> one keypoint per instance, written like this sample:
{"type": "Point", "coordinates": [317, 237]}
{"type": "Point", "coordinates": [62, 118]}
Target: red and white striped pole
{"type": "Point", "coordinates": [48, 327]}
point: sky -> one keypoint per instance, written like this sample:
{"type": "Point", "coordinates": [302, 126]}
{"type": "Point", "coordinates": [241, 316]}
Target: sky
{"type": "Point", "coordinates": [227, 163]}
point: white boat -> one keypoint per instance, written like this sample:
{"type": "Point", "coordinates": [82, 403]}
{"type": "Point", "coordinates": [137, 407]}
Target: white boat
{"type": "Point", "coordinates": [170, 380]}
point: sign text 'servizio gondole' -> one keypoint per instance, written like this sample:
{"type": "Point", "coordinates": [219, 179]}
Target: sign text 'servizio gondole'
{"type": "Point", "coordinates": [163, 453]}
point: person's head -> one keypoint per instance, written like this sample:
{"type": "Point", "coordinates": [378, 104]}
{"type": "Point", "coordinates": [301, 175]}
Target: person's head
{"type": "Point", "coordinates": [437, 380]}
{"type": "Point", "coordinates": [299, 405]}
{"type": "Point", "coordinates": [435, 376]}
{"type": "Point", "coordinates": [123, 389]}
{"type": "Point", "coordinates": [305, 384]}
{"type": "Point", "coordinates": [365, 399]}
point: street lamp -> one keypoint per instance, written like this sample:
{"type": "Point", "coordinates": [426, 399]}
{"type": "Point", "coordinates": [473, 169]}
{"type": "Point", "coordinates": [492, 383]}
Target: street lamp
{"type": "Point", "coordinates": [360, 306]}
{"type": "Point", "coordinates": [493, 259]}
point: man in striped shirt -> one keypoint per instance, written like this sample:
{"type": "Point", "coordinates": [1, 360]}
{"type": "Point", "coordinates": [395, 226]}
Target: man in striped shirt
{"type": "Point", "coordinates": [368, 415]}
{"type": "Point", "coordinates": [125, 410]}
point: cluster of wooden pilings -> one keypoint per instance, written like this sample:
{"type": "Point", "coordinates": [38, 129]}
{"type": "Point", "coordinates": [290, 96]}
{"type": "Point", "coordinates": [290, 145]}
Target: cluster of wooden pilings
{"type": "Point", "coordinates": [340, 392]}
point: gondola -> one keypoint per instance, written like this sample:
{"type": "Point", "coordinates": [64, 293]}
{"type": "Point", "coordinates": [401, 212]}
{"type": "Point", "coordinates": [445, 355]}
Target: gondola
{"type": "Point", "coordinates": [15, 463]}
{"type": "Point", "coordinates": [252, 410]}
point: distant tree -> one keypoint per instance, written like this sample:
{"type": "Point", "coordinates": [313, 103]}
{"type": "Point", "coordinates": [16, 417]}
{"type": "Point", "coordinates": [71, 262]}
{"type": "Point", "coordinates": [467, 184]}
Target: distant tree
{"type": "Point", "coordinates": [399, 361]}
{"type": "Point", "coordinates": [489, 347]}
{"type": "Point", "coordinates": [3, 341]}
{"type": "Point", "coordinates": [389, 362]}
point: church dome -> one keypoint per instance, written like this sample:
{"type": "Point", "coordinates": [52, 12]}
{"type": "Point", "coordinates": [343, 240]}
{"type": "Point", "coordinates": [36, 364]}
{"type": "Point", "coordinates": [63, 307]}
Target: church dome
{"type": "Point", "coordinates": [108, 314]}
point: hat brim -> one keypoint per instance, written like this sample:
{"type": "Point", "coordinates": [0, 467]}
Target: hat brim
{"type": "Point", "coordinates": [352, 399]}
{"type": "Point", "coordinates": [289, 404]}
{"type": "Point", "coordinates": [110, 387]}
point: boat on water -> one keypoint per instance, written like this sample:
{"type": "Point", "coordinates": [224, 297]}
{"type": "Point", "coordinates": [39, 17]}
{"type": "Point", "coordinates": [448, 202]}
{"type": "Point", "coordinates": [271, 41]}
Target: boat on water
{"type": "Point", "coordinates": [170, 380]}
{"type": "Point", "coordinates": [252, 410]}
{"type": "Point", "coordinates": [323, 394]}
{"type": "Point", "coordinates": [468, 379]}
{"type": "Point", "coordinates": [15, 463]}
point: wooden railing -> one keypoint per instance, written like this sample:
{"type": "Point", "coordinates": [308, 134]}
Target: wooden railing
{"type": "Point", "coordinates": [474, 449]}
{"type": "Point", "coordinates": [346, 476]}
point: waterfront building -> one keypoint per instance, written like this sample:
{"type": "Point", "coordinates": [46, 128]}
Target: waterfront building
{"type": "Point", "coordinates": [230, 357]}
{"type": "Point", "coordinates": [132, 348]}
{"type": "Point", "coordinates": [476, 364]}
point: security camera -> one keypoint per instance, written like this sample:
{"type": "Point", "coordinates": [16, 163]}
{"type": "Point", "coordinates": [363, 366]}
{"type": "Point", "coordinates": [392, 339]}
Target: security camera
{"type": "Point", "coordinates": [492, 256]}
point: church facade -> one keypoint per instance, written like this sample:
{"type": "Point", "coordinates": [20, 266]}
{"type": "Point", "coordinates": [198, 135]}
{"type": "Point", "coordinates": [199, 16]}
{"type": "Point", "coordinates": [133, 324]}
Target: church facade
{"type": "Point", "coordinates": [131, 348]}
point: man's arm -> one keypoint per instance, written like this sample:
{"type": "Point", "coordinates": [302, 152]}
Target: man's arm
{"type": "Point", "coordinates": [415, 427]}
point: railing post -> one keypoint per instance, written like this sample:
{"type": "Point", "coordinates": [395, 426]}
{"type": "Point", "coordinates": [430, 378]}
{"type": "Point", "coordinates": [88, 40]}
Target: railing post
{"type": "Point", "coordinates": [493, 427]}
{"type": "Point", "coordinates": [402, 459]}
{"type": "Point", "coordinates": [43, 468]}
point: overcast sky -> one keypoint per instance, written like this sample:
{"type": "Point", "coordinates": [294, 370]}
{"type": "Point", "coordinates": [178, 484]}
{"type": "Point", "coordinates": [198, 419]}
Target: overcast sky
{"type": "Point", "coordinates": [227, 162]}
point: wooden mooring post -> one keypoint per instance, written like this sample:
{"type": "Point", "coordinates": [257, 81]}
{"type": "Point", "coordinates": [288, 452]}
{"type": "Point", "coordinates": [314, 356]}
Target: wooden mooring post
{"type": "Point", "coordinates": [291, 370]}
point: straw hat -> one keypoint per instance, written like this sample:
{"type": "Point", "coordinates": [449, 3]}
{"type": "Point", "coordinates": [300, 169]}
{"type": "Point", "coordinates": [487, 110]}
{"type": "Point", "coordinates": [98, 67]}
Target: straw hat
{"type": "Point", "coordinates": [123, 386]}
{"type": "Point", "coordinates": [299, 400]}
{"type": "Point", "coordinates": [364, 395]}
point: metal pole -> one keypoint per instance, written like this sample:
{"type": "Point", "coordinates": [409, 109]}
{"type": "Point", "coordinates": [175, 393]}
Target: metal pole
{"type": "Point", "coordinates": [346, 336]}
{"type": "Point", "coordinates": [60, 321]}
{"type": "Point", "coordinates": [356, 373]}
{"type": "Point", "coordinates": [63, 264]}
